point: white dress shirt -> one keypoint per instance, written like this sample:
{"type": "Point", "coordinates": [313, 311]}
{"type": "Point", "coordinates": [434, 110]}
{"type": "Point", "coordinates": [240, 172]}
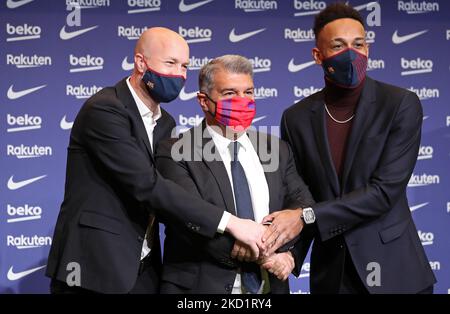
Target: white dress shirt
{"type": "Point", "coordinates": [149, 118]}
{"type": "Point", "coordinates": [254, 172]}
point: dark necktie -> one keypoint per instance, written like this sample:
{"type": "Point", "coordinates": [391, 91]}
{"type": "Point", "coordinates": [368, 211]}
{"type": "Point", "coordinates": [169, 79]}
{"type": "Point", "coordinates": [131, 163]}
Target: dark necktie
{"type": "Point", "coordinates": [250, 272]}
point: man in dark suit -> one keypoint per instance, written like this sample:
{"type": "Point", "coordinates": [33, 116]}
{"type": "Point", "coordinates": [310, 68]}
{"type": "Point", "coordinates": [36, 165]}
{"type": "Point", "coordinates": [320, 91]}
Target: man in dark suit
{"type": "Point", "coordinates": [106, 238]}
{"type": "Point", "coordinates": [231, 167]}
{"type": "Point", "coordinates": [355, 144]}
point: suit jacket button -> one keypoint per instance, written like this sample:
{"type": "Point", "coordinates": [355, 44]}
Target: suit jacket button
{"type": "Point", "coordinates": [228, 287]}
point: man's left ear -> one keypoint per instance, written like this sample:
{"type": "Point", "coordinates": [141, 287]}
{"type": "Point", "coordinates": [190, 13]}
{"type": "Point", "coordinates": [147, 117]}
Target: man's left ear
{"type": "Point", "coordinates": [316, 55]}
{"type": "Point", "coordinates": [201, 98]}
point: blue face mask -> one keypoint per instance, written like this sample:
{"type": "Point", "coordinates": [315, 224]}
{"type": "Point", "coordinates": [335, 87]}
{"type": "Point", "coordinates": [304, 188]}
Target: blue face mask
{"type": "Point", "coordinates": [162, 87]}
{"type": "Point", "coordinates": [346, 69]}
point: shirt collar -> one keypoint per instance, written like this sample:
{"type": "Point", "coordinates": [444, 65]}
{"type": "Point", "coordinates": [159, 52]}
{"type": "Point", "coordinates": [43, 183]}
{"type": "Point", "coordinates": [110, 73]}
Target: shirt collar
{"type": "Point", "coordinates": [144, 111]}
{"type": "Point", "coordinates": [222, 143]}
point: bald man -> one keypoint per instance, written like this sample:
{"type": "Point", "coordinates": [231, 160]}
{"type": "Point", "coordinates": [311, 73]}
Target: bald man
{"type": "Point", "coordinates": [106, 238]}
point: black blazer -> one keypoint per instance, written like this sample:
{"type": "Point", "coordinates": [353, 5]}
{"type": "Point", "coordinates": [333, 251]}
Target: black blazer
{"type": "Point", "coordinates": [367, 211]}
{"type": "Point", "coordinates": [111, 188]}
{"type": "Point", "coordinates": [193, 264]}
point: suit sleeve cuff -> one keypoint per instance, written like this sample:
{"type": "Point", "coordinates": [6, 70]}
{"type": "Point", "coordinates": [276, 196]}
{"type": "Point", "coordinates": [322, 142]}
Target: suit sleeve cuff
{"type": "Point", "coordinates": [223, 222]}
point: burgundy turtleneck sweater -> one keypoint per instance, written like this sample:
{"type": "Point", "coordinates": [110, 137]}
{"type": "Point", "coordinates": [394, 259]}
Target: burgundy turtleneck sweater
{"type": "Point", "coordinates": [341, 103]}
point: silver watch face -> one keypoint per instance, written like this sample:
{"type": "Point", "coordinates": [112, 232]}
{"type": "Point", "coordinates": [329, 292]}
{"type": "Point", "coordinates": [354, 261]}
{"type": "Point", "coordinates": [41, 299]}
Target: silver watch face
{"type": "Point", "coordinates": [308, 215]}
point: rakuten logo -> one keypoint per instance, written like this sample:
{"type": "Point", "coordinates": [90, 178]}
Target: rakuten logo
{"type": "Point", "coordinates": [195, 34]}
{"type": "Point", "coordinates": [255, 5]}
{"type": "Point", "coordinates": [299, 35]}
{"type": "Point", "coordinates": [88, 4]}
{"type": "Point", "coordinates": [22, 61]}
{"type": "Point", "coordinates": [416, 66]}
{"type": "Point", "coordinates": [28, 242]}
{"type": "Point", "coordinates": [423, 180]}
{"type": "Point", "coordinates": [425, 93]}
{"type": "Point", "coordinates": [85, 63]}
{"type": "Point", "coordinates": [412, 7]}
{"type": "Point", "coordinates": [23, 151]}
{"type": "Point", "coordinates": [264, 92]}
{"type": "Point", "coordinates": [143, 6]}
{"type": "Point", "coordinates": [22, 32]}
{"type": "Point", "coordinates": [23, 123]}
{"type": "Point", "coordinates": [197, 63]}
{"type": "Point", "coordinates": [81, 91]}
{"type": "Point", "coordinates": [23, 213]}
{"type": "Point", "coordinates": [131, 33]}
{"type": "Point", "coordinates": [375, 64]}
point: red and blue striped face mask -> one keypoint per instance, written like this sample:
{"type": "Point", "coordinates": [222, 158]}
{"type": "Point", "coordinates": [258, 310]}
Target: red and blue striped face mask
{"type": "Point", "coordinates": [346, 68]}
{"type": "Point", "coordinates": [236, 112]}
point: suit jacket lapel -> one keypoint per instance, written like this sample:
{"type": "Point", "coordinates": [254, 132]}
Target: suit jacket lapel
{"type": "Point", "coordinates": [216, 167]}
{"type": "Point", "coordinates": [366, 101]}
{"type": "Point", "coordinates": [124, 94]}
{"type": "Point", "coordinates": [320, 133]}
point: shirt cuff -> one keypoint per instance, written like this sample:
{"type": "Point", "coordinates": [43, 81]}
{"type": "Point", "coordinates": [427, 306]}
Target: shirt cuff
{"type": "Point", "coordinates": [223, 222]}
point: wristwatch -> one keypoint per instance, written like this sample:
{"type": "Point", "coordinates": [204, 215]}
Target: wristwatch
{"type": "Point", "coordinates": [308, 216]}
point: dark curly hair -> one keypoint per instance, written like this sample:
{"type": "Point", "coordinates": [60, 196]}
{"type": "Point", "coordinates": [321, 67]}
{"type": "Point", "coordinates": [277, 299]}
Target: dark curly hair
{"type": "Point", "coordinates": [334, 11]}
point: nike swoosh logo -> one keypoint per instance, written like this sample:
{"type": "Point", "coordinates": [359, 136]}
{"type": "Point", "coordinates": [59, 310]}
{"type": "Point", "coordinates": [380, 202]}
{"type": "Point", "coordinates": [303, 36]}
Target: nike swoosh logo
{"type": "Point", "coordinates": [183, 7]}
{"type": "Point", "coordinates": [413, 208]}
{"type": "Point", "coordinates": [15, 4]}
{"type": "Point", "coordinates": [16, 276]}
{"type": "Point", "coordinates": [298, 67]}
{"type": "Point", "coordinates": [396, 39]}
{"type": "Point", "coordinates": [236, 38]}
{"type": "Point", "coordinates": [258, 119]}
{"type": "Point", "coordinates": [126, 66]}
{"type": "Point", "coordinates": [187, 96]}
{"type": "Point", "coordinates": [64, 124]}
{"type": "Point", "coordinates": [14, 95]}
{"type": "Point", "coordinates": [20, 184]}
{"type": "Point", "coordinates": [69, 35]}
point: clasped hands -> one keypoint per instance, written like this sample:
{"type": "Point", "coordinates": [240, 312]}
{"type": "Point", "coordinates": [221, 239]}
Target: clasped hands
{"type": "Point", "coordinates": [262, 240]}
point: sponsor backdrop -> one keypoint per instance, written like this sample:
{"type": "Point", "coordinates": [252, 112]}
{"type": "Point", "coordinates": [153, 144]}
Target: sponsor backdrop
{"type": "Point", "coordinates": [56, 54]}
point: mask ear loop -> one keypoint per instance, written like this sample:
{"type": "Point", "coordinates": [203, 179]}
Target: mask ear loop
{"type": "Point", "coordinates": [215, 104]}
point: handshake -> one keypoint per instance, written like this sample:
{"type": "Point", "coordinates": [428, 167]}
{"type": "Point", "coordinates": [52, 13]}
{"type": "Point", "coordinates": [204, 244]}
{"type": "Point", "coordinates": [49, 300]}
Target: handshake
{"type": "Point", "coordinates": [259, 242]}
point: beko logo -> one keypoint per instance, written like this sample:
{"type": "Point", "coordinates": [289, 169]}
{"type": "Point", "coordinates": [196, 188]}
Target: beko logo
{"type": "Point", "coordinates": [416, 66]}
{"type": "Point", "coordinates": [22, 32]}
{"type": "Point", "coordinates": [255, 5]}
{"type": "Point", "coordinates": [131, 33]}
{"type": "Point", "coordinates": [195, 34]}
{"type": "Point", "coordinates": [197, 63]}
{"type": "Point", "coordinates": [299, 35]}
{"type": "Point", "coordinates": [426, 238]}
{"type": "Point", "coordinates": [423, 180]}
{"type": "Point", "coordinates": [425, 152]}
{"type": "Point", "coordinates": [23, 213]}
{"type": "Point", "coordinates": [425, 93]}
{"type": "Point", "coordinates": [264, 92]}
{"type": "Point", "coordinates": [411, 7]}
{"type": "Point", "coordinates": [23, 123]}
{"type": "Point", "coordinates": [260, 64]}
{"type": "Point", "coordinates": [24, 151]}
{"type": "Point", "coordinates": [85, 63]}
{"type": "Point", "coordinates": [142, 6]}
{"type": "Point", "coordinates": [28, 242]}
{"type": "Point", "coordinates": [88, 4]}
{"type": "Point", "coordinates": [81, 91]}
{"type": "Point", "coordinates": [310, 7]}
{"type": "Point", "coordinates": [305, 92]}
{"type": "Point", "coordinates": [375, 64]}
{"type": "Point", "coordinates": [22, 61]}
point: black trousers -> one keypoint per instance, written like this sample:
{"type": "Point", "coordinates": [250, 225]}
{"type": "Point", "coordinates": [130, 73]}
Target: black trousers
{"type": "Point", "coordinates": [147, 281]}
